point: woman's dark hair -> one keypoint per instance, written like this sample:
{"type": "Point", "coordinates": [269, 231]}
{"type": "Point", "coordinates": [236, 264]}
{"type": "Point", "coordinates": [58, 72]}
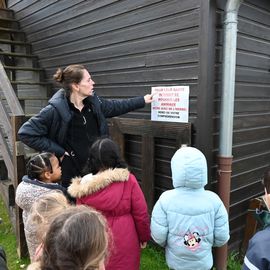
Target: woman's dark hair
{"type": "Point", "coordinates": [39, 164]}
{"type": "Point", "coordinates": [77, 239]}
{"type": "Point", "coordinates": [104, 154]}
{"type": "Point", "coordinates": [71, 74]}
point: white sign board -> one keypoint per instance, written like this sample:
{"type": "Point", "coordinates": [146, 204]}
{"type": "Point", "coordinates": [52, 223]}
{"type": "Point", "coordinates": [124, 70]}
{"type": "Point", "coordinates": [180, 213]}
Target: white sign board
{"type": "Point", "coordinates": [170, 104]}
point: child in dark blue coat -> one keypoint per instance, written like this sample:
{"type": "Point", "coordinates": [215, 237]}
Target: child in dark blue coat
{"type": "Point", "coordinates": [258, 255]}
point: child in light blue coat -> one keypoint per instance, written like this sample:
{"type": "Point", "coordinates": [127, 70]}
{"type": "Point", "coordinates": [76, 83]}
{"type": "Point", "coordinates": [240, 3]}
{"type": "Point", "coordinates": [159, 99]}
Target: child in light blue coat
{"type": "Point", "coordinates": [189, 220]}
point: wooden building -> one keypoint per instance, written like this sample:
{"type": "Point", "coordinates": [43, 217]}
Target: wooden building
{"type": "Point", "coordinates": [130, 46]}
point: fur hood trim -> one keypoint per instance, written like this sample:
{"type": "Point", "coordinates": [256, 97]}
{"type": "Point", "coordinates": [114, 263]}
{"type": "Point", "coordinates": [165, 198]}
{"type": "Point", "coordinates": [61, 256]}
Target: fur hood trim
{"type": "Point", "coordinates": [82, 186]}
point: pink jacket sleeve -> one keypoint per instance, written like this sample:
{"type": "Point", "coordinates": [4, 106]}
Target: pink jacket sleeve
{"type": "Point", "coordinates": [139, 211]}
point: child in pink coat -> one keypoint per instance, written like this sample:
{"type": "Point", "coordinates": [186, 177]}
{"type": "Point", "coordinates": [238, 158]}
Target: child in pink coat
{"type": "Point", "coordinates": [111, 189]}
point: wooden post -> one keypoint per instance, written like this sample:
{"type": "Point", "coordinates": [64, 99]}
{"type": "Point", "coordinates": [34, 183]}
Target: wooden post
{"type": "Point", "coordinates": [251, 223]}
{"type": "Point", "coordinates": [19, 171]}
{"type": "Point", "coordinates": [148, 170]}
{"type": "Point", "coordinates": [3, 4]}
{"type": "Point", "coordinates": [117, 136]}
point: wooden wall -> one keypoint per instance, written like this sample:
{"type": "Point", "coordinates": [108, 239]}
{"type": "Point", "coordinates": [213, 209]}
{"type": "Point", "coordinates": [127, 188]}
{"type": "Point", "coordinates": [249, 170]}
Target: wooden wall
{"type": "Point", "coordinates": [128, 46]}
{"type": "Point", "coordinates": [251, 140]}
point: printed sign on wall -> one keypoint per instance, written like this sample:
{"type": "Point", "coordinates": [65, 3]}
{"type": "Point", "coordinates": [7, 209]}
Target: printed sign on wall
{"type": "Point", "coordinates": [170, 104]}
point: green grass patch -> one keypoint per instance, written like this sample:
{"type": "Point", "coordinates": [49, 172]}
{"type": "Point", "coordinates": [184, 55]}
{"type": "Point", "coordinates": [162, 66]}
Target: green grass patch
{"type": "Point", "coordinates": [8, 241]}
{"type": "Point", "coordinates": [234, 261]}
{"type": "Point", "coordinates": [153, 258]}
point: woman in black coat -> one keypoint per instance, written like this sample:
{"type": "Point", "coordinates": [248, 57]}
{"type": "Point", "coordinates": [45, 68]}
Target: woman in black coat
{"type": "Point", "coordinates": [74, 118]}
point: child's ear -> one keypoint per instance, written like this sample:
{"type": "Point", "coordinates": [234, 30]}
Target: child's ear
{"type": "Point", "coordinates": [47, 175]}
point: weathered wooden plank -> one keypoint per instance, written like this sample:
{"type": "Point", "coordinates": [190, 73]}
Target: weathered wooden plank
{"type": "Point", "coordinates": [251, 120]}
{"type": "Point", "coordinates": [263, 4]}
{"type": "Point", "coordinates": [19, 171]}
{"type": "Point", "coordinates": [11, 3]}
{"type": "Point", "coordinates": [108, 18]}
{"type": "Point", "coordinates": [252, 148]}
{"type": "Point", "coordinates": [246, 90]}
{"type": "Point", "coordinates": [248, 191]}
{"type": "Point", "coordinates": [5, 119]}
{"type": "Point", "coordinates": [154, 128]}
{"type": "Point", "coordinates": [2, 4]}
{"type": "Point", "coordinates": [250, 43]}
{"type": "Point", "coordinates": [5, 151]}
{"type": "Point", "coordinates": [172, 57]}
{"type": "Point", "coordinates": [254, 29]}
{"type": "Point", "coordinates": [150, 75]}
{"type": "Point", "coordinates": [148, 169]}
{"type": "Point", "coordinates": [250, 135]}
{"type": "Point", "coordinates": [149, 29]}
{"type": "Point", "coordinates": [248, 74]}
{"type": "Point", "coordinates": [251, 162]}
{"type": "Point", "coordinates": [8, 91]}
{"type": "Point", "coordinates": [249, 105]}
{"type": "Point", "coordinates": [146, 45]}
{"type": "Point", "coordinates": [248, 58]}
{"type": "Point", "coordinates": [39, 10]}
{"type": "Point", "coordinates": [251, 12]}
{"type": "Point", "coordinates": [7, 13]}
{"type": "Point", "coordinates": [85, 13]}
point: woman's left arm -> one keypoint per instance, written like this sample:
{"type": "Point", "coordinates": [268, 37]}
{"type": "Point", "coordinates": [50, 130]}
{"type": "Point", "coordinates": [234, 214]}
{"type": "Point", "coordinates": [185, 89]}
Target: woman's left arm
{"type": "Point", "coordinates": [116, 107]}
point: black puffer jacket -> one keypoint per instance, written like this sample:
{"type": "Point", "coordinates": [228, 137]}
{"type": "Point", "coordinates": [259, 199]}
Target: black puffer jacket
{"type": "Point", "coordinates": [47, 130]}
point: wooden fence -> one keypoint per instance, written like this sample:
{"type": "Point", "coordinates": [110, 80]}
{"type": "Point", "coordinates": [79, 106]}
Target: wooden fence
{"type": "Point", "coordinates": [149, 130]}
{"type": "Point", "coordinates": [12, 116]}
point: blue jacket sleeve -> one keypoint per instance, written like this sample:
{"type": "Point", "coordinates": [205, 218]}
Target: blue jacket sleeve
{"type": "Point", "coordinates": [111, 108]}
{"type": "Point", "coordinates": [221, 229]}
{"type": "Point", "coordinates": [35, 133]}
{"type": "Point", "coordinates": [159, 224]}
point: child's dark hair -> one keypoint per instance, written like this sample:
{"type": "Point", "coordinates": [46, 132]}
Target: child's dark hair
{"type": "Point", "coordinates": [104, 154]}
{"type": "Point", "coordinates": [266, 180]}
{"type": "Point", "coordinates": [77, 239]}
{"type": "Point", "coordinates": [39, 164]}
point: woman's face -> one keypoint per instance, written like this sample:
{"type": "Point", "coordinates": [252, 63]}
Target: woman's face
{"type": "Point", "coordinates": [86, 85]}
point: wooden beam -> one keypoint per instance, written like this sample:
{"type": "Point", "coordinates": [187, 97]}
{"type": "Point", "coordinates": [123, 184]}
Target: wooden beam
{"type": "Point", "coordinates": [170, 130]}
{"type": "Point", "coordinates": [118, 136]}
{"type": "Point", "coordinates": [3, 4]}
{"type": "Point", "coordinates": [19, 171]}
{"type": "Point", "coordinates": [5, 119]}
{"type": "Point", "coordinates": [148, 170]}
{"type": "Point", "coordinates": [9, 93]}
{"type": "Point", "coordinates": [7, 156]}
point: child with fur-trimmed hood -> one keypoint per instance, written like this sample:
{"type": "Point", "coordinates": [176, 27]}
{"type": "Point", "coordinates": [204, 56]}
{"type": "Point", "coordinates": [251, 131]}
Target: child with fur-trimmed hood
{"type": "Point", "coordinates": [189, 220]}
{"type": "Point", "coordinates": [111, 189]}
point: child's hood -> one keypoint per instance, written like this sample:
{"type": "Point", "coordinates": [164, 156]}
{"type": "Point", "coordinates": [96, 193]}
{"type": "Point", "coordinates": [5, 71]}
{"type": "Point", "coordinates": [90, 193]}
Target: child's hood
{"type": "Point", "coordinates": [90, 184]}
{"type": "Point", "coordinates": [189, 168]}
